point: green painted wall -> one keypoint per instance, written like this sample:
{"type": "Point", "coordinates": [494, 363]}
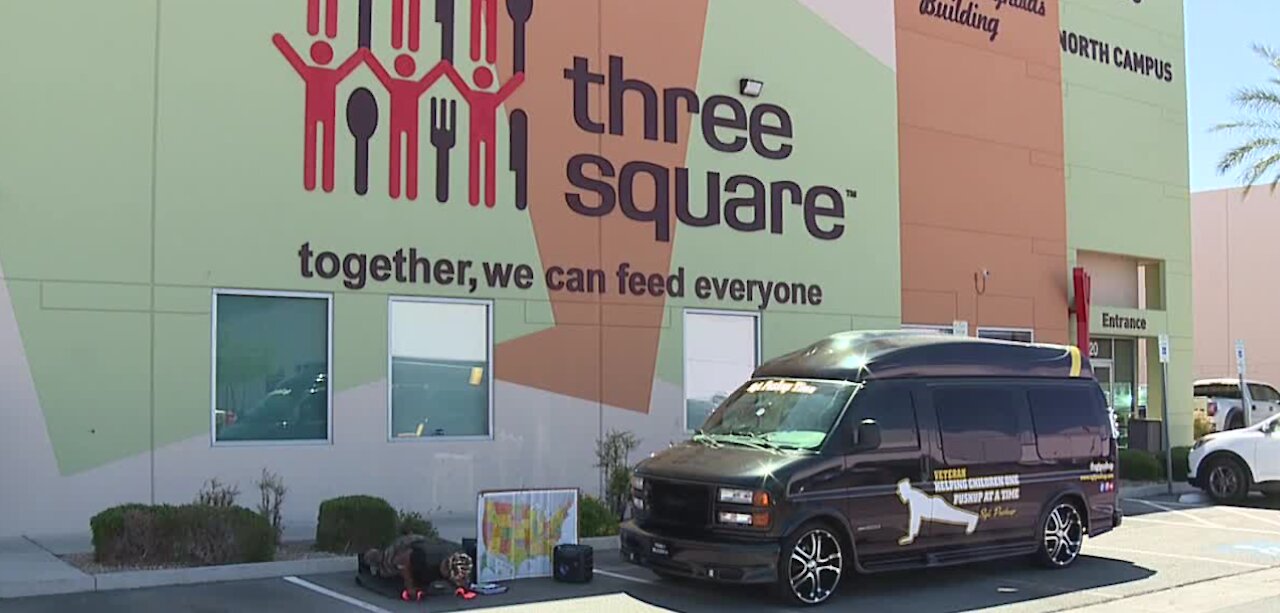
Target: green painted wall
{"type": "Point", "coordinates": [1128, 181]}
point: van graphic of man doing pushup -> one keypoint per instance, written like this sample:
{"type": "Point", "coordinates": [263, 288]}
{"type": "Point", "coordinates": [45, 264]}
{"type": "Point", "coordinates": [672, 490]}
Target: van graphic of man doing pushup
{"type": "Point", "coordinates": [936, 509]}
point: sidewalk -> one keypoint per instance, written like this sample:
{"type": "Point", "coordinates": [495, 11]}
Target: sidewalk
{"type": "Point", "coordinates": [30, 566]}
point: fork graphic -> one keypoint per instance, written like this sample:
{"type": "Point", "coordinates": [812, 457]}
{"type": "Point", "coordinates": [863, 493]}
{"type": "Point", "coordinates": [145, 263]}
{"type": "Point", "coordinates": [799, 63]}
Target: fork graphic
{"type": "Point", "coordinates": [444, 135]}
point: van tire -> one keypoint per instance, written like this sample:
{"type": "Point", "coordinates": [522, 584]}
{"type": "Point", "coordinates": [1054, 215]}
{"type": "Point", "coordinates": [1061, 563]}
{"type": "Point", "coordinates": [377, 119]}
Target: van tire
{"type": "Point", "coordinates": [1226, 480]}
{"type": "Point", "coordinates": [802, 558]}
{"type": "Point", "coordinates": [1061, 534]}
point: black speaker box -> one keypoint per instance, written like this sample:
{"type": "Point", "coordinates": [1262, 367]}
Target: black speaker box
{"type": "Point", "coordinates": [573, 563]}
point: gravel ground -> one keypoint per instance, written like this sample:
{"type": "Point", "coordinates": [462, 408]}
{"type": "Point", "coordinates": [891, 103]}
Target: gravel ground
{"type": "Point", "coordinates": [285, 552]}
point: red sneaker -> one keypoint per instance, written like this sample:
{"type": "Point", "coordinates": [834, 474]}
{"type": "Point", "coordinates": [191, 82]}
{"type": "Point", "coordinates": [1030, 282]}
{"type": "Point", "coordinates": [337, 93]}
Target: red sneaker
{"type": "Point", "coordinates": [404, 595]}
{"type": "Point", "coordinates": [421, 594]}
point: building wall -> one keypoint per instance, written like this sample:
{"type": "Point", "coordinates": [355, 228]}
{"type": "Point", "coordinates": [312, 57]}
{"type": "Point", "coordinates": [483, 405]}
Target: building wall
{"type": "Point", "coordinates": [1126, 165]}
{"type": "Point", "coordinates": [154, 155]}
{"type": "Point", "coordinates": [981, 146]}
{"type": "Point", "coordinates": [1235, 255]}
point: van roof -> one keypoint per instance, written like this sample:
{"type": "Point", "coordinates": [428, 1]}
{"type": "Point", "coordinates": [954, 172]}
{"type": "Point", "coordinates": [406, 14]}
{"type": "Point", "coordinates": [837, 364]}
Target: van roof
{"type": "Point", "coordinates": [892, 354]}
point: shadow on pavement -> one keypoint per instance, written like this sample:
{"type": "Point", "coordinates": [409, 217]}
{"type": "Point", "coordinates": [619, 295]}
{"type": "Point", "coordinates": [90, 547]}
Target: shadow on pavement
{"type": "Point", "coordinates": [943, 590]}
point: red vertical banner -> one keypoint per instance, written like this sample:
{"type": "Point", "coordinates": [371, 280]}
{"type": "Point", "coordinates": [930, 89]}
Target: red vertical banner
{"type": "Point", "coordinates": [1082, 287]}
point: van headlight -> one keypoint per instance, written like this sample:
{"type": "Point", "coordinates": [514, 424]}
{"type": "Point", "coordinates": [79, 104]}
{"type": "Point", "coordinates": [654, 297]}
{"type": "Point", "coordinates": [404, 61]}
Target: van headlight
{"type": "Point", "coordinates": [734, 496]}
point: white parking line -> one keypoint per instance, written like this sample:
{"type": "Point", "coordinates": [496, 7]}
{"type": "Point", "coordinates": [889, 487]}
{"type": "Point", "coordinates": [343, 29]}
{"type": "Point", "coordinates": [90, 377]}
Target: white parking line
{"type": "Point", "coordinates": [1144, 520]}
{"type": "Point", "coordinates": [624, 577]}
{"type": "Point", "coordinates": [1253, 516]}
{"type": "Point", "coordinates": [1176, 556]}
{"type": "Point", "coordinates": [1169, 509]}
{"type": "Point", "coordinates": [302, 583]}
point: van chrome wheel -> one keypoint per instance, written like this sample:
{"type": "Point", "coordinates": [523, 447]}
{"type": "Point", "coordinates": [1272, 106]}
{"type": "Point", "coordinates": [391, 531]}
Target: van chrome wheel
{"type": "Point", "coordinates": [1063, 535]}
{"type": "Point", "coordinates": [815, 567]}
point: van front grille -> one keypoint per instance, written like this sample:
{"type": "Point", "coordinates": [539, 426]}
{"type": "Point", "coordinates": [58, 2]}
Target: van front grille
{"type": "Point", "coordinates": [677, 505]}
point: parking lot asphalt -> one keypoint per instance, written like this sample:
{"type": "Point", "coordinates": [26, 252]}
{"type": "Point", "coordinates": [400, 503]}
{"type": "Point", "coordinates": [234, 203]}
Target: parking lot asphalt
{"type": "Point", "coordinates": [1164, 547]}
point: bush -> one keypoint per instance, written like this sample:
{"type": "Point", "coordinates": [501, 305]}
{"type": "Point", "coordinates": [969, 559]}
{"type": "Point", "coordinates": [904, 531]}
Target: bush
{"type": "Point", "coordinates": [354, 524]}
{"type": "Point", "coordinates": [215, 494]}
{"type": "Point", "coordinates": [190, 535]}
{"type": "Point", "coordinates": [1138, 465]}
{"type": "Point", "coordinates": [272, 489]}
{"type": "Point", "coordinates": [1202, 425]}
{"type": "Point", "coordinates": [612, 458]}
{"type": "Point", "coordinates": [595, 519]}
{"type": "Point", "coordinates": [1180, 464]}
{"type": "Point", "coordinates": [412, 522]}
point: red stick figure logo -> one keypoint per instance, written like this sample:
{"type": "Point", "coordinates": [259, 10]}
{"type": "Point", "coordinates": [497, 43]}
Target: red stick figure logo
{"type": "Point", "coordinates": [405, 111]}
{"type": "Point", "coordinates": [322, 80]}
{"type": "Point", "coordinates": [484, 126]}
{"type": "Point", "coordinates": [322, 92]}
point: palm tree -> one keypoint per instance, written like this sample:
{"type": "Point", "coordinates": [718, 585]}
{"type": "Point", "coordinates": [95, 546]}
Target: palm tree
{"type": "Point", "coordinates": [1259, 154]}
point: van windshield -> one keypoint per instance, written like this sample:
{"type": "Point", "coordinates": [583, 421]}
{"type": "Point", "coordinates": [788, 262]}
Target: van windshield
{"type": "Point", "coordinates": [787, 413]}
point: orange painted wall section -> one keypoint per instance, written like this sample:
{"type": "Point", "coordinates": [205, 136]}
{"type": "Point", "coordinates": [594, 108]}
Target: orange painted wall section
{"type": "Point", "coordinates": [981, 163]}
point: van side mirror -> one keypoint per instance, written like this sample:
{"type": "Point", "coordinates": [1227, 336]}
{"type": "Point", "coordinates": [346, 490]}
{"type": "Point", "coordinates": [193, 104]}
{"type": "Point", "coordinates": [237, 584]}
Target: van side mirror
{"type": "Point", "coordinates": [866, 437]}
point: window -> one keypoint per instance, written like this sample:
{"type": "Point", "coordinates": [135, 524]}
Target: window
{"type": "Point", "coordinates": [1069, 423]}
{"type": "Point", "coordinates": [1263, 393]}
{"type": "Point", "coordinates": [721, 350]}
{"type": "Point", "coordinates": [892, 408]}
{"type": "Point", "coordinates": [440, 377]}
{"type": "Point", "coordinates": [948, 330]}
{"type": "Point", "coordinates": [1007, 334]}
{"type": "Point", "coordinates": [979, 425]}
{"type": "Point", "coordinates": [271, 357]}
{"type": "Point", "coordinates": [1218, 390]}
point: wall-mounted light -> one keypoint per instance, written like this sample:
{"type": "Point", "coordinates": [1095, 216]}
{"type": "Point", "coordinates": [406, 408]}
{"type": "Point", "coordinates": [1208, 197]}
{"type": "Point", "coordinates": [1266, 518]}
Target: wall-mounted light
{"type": "Point", "coordinates": [750, 87]}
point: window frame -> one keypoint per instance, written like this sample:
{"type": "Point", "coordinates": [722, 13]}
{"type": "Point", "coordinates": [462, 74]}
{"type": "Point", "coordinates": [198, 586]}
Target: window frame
{"type": "Point", "coordinates": [1029, 331]}
{"type": "Point", "coordinates": [948, 330]}
{"type": "Point", "coordinates": [213, 367]}
{"type": "Point", "coordinates": [488, 305]}
{"type": "Point", "coordinates": [684, 351]}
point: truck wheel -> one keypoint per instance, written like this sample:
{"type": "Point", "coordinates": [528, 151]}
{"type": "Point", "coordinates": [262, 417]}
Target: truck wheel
{"type": "Point", "coordinates": [1226, 481]}
{"type": "Point", "coordinates": [811, 565]}
{"type": "Point", "coordinates": [1235, 421]}
{"type": "Point", "coordinates": [1061, 535]}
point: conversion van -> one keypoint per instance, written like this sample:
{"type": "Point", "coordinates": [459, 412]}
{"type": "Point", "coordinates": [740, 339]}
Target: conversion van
{"type": "Point", "coordinates": [882, 451]}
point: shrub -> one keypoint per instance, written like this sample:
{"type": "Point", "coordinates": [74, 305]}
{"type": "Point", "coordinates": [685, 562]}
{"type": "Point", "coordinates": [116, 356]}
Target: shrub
{"type": "Point", "coordinates": [612, 458]}
{"type": "Point", "coordinates": [1138, 465]}
{"type": "Point", "coordinates": [191, 535]}
{"type": "Point", "coordinates": [1202, 425]}
{"type": "Point", "coordinates": [595, 519]}
{"type": "Point", "coordinates": [353, 524]}
{"type": "Point", "coordinates": [215, 494]}
{"type": "Point", "coordinates": [272, 489]}
{"type": "Point", "coordinates": [412, 522]}
{"type": "Point", "coordinates": [1180, 464]}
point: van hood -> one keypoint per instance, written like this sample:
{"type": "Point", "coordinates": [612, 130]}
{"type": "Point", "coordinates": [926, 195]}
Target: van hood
{"type": "Point", "coordinates": [725, 465]}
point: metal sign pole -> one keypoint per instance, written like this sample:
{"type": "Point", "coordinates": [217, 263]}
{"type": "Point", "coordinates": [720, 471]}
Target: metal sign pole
{"type": "Point", "coordinates": [1164, 411]}
{"type": "Point", "coordinates": [1246, 399]}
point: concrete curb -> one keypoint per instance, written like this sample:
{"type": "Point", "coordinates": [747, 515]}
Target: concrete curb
{"type": "Point", "coordinates": [602, 543]}
{"type": "Point", "coordinates": [50, 587]}
{"type": "Point", "coordinates": [129, 580]}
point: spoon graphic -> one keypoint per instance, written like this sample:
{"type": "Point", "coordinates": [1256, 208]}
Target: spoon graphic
{"type": "Point", "coordinates": [520, 12]}
{"type": "Point", "coordinates": [362, 120]}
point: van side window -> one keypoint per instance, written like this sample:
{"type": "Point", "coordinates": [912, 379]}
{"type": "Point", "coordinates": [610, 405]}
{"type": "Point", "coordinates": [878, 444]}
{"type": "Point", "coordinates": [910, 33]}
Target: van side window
{"type": "Point", "coordinates": [892, 408]}
{"type": "Point", "coordinates": [979, 425]}
{"type": "Point", "coordinates": [1068, 423]}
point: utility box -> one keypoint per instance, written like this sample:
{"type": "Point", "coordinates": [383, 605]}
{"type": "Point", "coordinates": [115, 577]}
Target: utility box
{"type": "Point", "coordinates": [1145, 435]}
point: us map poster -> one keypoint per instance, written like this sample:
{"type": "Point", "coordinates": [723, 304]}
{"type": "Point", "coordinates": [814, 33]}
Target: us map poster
{"type": "Point", "coordinates": [519, 530]}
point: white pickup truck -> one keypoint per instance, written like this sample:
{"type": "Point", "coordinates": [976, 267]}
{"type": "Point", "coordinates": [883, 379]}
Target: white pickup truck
{"type": "Point", "coordinates": [1222, 401]}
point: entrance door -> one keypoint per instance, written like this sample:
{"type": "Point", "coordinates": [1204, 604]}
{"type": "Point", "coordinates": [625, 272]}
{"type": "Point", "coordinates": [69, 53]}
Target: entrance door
{"type": "Point", "coordinates": [1104, 370]}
